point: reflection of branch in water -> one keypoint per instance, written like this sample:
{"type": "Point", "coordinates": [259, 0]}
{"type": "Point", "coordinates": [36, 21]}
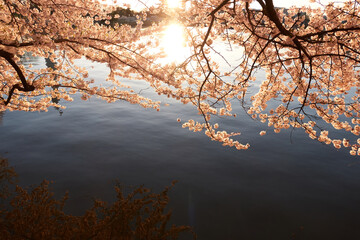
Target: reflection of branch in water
{"type": "Point", "coordinates": [52, 65]}
{"type": "Point", "coordinates": [36, 214]}
{"type": "Point", "coordinates": [2, 113]}
{"type": "Point", "coordinates": [7, 178]}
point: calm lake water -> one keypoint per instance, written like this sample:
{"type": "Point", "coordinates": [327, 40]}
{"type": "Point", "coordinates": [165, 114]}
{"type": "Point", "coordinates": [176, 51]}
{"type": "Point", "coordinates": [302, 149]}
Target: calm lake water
{"type": "Point", "coordinates": [279, 187]}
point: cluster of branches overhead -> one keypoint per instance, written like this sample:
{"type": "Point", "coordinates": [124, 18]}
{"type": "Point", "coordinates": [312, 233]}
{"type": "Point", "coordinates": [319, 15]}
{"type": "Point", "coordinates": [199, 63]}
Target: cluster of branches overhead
{"type": "Point", "coordinates": [311, 60]}
{"type": "Point", "coordinates": [310, 56]}
{"type": "Point", "coordinates": [63, 31]}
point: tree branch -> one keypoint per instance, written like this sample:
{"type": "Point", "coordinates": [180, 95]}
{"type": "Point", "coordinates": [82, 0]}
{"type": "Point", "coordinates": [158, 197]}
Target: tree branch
{"type": "Point", "coordinates": [25, 86]}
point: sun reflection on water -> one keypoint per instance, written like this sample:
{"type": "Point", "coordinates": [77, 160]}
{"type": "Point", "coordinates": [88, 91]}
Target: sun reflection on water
{"type": "Point", "coordinates": [173, 42]}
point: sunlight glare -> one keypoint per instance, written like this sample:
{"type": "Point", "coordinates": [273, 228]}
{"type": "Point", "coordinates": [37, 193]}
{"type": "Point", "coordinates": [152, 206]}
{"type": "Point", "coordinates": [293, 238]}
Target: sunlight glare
{"type": "Point", "coordinates": [173, 42]}
{"type": "Point", "coordinates": [173, 3]}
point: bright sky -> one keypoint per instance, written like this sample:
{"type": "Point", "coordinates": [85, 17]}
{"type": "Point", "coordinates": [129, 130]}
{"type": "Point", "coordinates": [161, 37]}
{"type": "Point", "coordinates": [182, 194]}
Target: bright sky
{"type": "Point", "coordinates": [300, 3]}
{"type": "Point", "coordinates": [138, 5]}
{"type": "Point", "coordinates": [134, 4]}
{"type": "Point", "coordinates": [173, 37]}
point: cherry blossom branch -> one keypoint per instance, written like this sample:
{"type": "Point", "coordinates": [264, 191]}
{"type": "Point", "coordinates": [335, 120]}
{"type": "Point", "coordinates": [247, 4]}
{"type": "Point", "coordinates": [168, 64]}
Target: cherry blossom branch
{"type": "Point", "coordinates": [25, 86]}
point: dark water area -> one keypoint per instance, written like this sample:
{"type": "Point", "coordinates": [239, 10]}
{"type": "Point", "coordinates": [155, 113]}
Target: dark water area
{"type": "Point", "coordinates": [281, 188]}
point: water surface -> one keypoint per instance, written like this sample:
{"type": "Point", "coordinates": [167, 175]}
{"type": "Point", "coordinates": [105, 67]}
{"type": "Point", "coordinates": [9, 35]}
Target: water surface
{"type": "Point", "coordinates": [279, 187]}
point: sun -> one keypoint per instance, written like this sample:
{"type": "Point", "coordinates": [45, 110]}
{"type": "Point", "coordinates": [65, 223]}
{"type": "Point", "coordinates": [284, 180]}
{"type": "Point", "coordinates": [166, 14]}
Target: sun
{"type": "Point", "coordinates": [173, 3]}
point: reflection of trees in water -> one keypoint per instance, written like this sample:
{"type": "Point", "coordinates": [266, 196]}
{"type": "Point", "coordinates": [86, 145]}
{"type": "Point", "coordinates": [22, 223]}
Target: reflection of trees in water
{"type": "Point", "coordinates": [2, 113]}
{"type": "Point", "coordinates": [51, 64]}
{"type": "Point", "coordinates": [36, 214]}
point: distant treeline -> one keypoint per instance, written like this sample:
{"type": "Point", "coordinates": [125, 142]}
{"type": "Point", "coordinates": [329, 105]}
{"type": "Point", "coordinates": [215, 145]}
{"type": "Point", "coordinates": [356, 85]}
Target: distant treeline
{"type": "Point", "coordinates": [126, 12]}
{"type": "Point", "coordinates": [127, 16]}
